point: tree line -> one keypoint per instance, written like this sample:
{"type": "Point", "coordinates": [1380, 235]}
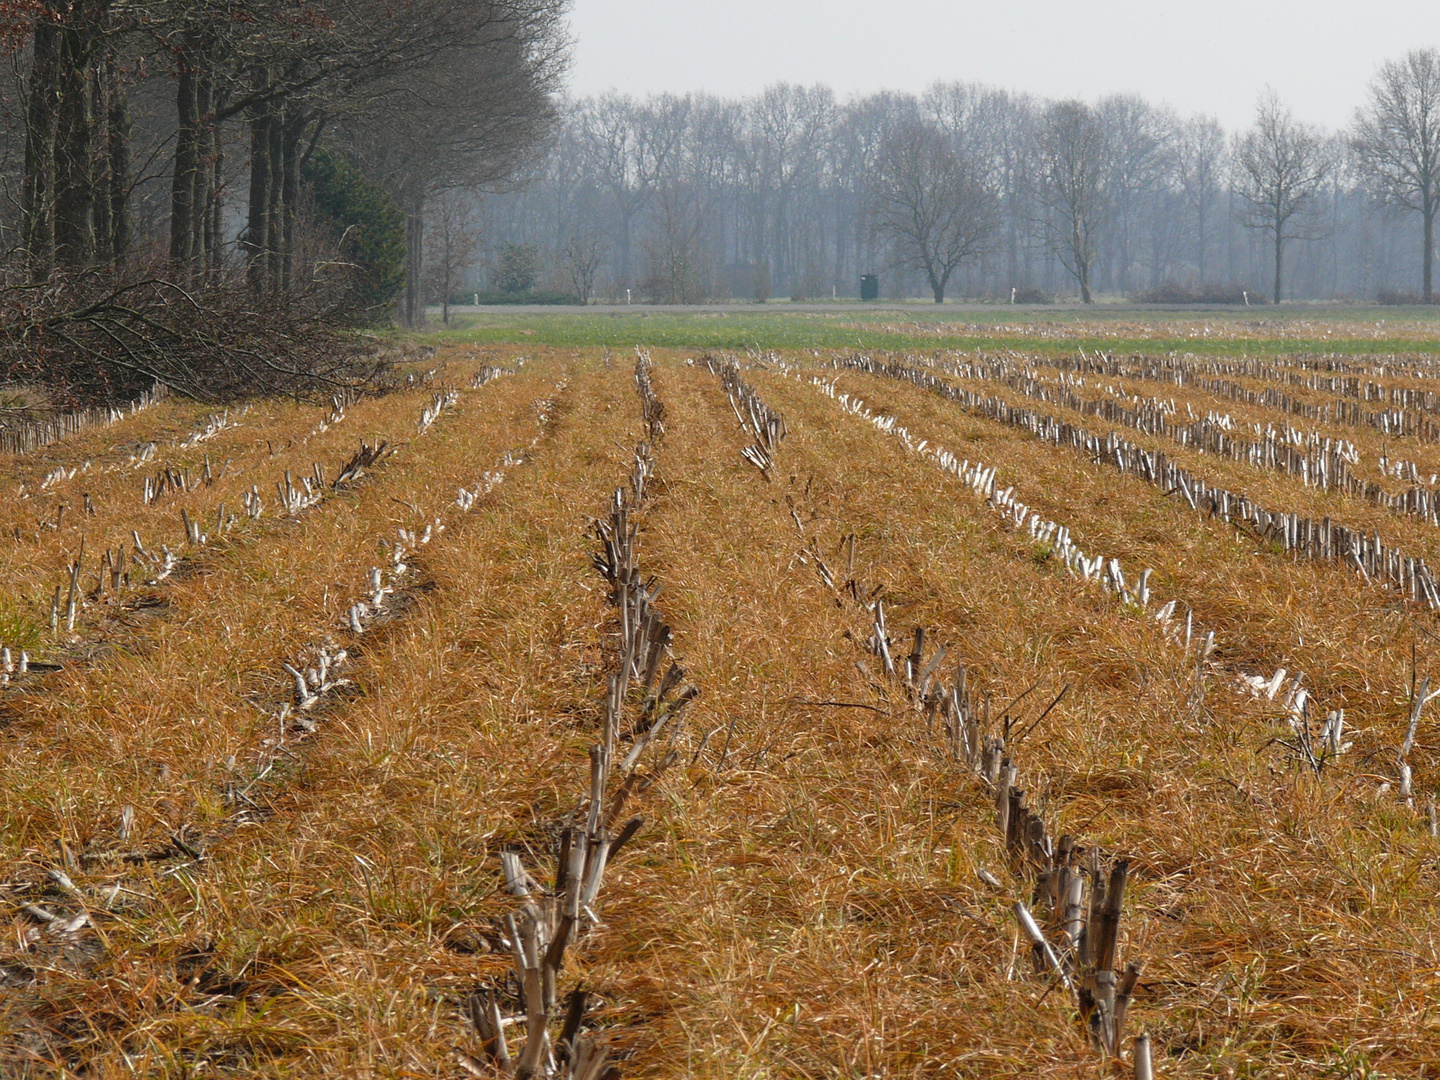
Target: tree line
{"type": "Point", "coordinates": [166, 148]}
{"type": "Point", "coordinates": [969, 188]}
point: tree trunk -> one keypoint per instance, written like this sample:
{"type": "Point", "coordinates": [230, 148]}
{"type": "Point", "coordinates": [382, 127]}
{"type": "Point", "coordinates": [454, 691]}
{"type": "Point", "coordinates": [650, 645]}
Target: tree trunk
{"type": "Point", "coordinates": [1012, 248]}
{"type": "Point", "coordinates": [101, 84]}
{"type": "Point", "coordinates": [779, 240]}
{"type": "Point", "coordinates": [274, 219]}
{"type": "Point", "coordinates": [182, 185]}
{"type": "Point", "coordinates": [42, 122]}
{"type": "Point", "coordinates": [75, 150]}
{"type": "Point", "coordinates": [204, 175]}
{"type": "Point", "coordinates": [118, 128]}
{"type": "Point", "coordinates": [215, 237]}
{"type": "Point", "coordinates": [1200, 240]}
{"type": "Point", "coordinates": [1279, 255]}
{"type": "Point", "coordinates": [414, 313]}
{"type": "Point", "coordinates": [1427, 258]}
{"type": "Point", "coordinates": [445, 296]}
{"type": "Point", "coordinates": [257, 226]}
{"type": "Point", "coordinates": [1082, 264]}
{"type": "Point", "coordinates": [295, 122]}
{"type": "Point", "coordinates": [624, 282]}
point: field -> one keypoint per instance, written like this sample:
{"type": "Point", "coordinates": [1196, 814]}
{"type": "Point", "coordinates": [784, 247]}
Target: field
{"type": "Point", "coordinates": [822, 695]}
{"type": "Point", "coordinates": [1255, 331]}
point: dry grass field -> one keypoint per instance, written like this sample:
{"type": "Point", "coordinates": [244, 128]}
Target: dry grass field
{"type": "Point", "coordinates": [605, 675]}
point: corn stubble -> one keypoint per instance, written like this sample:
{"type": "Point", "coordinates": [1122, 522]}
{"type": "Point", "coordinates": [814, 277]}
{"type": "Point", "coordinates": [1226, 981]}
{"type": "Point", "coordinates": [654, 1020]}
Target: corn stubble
{"type": "Point", "coordinates": [710, 716]}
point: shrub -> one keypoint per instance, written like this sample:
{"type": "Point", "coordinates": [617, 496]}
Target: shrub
{"type": "Point", "coordinates": [93, 336]}
{"type": "Point", "coordinates": [1394, 298]}
{"type": "Point", "coordinates": [762, 283]}
{"type": "Point", "coordinates": [368, 225]}
{"type": "Point", "coordinates": [1028, 294]}
{"type": "Point", "coordinates": [1209, 292]}
{"type": "Point", "coordinates": [531, 296]}
{"type": "Point", "coordinates": [517, 271]}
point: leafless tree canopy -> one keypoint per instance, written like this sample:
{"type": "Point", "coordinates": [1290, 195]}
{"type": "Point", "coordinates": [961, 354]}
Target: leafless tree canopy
{"type": "Point", "coordinates": [1071, 151]}
{"type": "Point", "coordinates": [931, 199]}
{"type": "Point", "coordinates": [1280, 166]}
{"type": "Point", "coordinates": [161, 147]}
{"type": "Point", "coordinates": [1198, 156]}
{"type": "Point", "coordinates": [158, 148]}
{"type": "Point", "coordinates": [1397, 143]}
{"type": "Point", "coordinates": [784, 193]}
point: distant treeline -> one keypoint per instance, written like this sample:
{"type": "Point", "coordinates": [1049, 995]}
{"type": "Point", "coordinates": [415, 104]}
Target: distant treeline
{"type": "Point", "coordinates": [794, 193]}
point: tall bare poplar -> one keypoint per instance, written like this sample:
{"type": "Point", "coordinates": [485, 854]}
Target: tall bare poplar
{"type": "Point", "coordinates": [1199, 170]}
{"type": "Point", "coordinates": [1397, 142]}
{"type": "Point", "coordinates": [1072, 153]}
{"type": "Point", "coordinates": [1280, 165]}
{"type": "Point", "coordinates": [932, 202]}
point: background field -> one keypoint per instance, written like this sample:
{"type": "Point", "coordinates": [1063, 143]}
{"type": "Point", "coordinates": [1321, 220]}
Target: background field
{"type": "Point", "coordinates": [1260, 331]}
{"type": "Point", "coordinates": [207, 874]}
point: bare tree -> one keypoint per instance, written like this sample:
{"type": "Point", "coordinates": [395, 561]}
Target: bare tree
{"type": "Point", "coordinates": [580, 261]}
{"type": "Point", "coordinates": [1397, 142]}
{"type": "Point", "coordinates": [675, 257]}
{"type": "Point", "coordinates": [859, 137]}
{"type": "Point", "coordinates": [1138, 144]}
{"type": "Point", "coordinates": [773, 190]}
{"type": "Point", "coordinates": [450, 243]}
{"type": "Point", "coordinates": [1280, 165]}
{"type": "Point", "coordinates": [790, 129]}
{"type": "Point", "coordinates": [931, 200]}
{"type": "Point", "coordinates": [1199, 170]}
{"type": "Point", "coordinates": [1072, 153]}
{"type": "Point", "coordinates": [630, 146]}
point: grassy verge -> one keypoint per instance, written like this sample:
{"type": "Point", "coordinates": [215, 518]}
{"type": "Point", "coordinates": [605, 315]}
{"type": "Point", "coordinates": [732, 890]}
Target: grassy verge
{"type": "Point", "coordinates": [1259, 332]}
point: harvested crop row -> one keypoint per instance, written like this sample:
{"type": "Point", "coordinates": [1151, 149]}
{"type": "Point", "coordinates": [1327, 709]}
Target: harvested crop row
{"type": "Point", "coordinates": [229, 473]}
{"type": "Point", "coordinates": [1388, 444]}
{"type": "Point", "coordinates": [1128, 760]}
{"type": "Point", "coordinates": [1257, 396]}
{"type": "Point", "coordinates": [1319, 741]}
{"type": "Point", "coordinates": [804, 898]}
{"type": "Point", "coordinates": [185, 449]}
{"type": "Point", "coordinates": [648, 704]}
{"type": "Point", "coordinates": [156, 749]}
{"type": "Point", "coordinates": [819, 859]}
{"type": "Point", "coordinates": [1323, 540]}
{"type": "Point", "coordinates": [1314, 460]}
{"type": "Point", "coordinates": [25, 436]}
{"type": "Point", "coordinates": [1335, 647]}
{"type": "Point", "coordinates": [1057, 539]}
{"type": "Point", "coordinates": [1348, 377]}
{"type": "Point", "coordinates": [1383, 453]}
{"type": "Point", "coordinates": [363, 915]}
{"type": "Point", "coordinates": [1078, 942]}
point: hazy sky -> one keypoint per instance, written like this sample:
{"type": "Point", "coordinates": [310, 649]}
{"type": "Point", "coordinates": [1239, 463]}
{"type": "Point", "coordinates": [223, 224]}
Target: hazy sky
{"type": "Point", "coordinates": [1201, 55]}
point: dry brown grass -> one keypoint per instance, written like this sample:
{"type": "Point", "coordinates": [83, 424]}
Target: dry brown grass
{"type": "Point", "coordinates": [1370, 442]}
{"type": "Point", "coordinates": [256, 448]}
{"type": "Point", "coordinates": [804, 900]}
{"type": "Point", "coordinates": [1266, 611]}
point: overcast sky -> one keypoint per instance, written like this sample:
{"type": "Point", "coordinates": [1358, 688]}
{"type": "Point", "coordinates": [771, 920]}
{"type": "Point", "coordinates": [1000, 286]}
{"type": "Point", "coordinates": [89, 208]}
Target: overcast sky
{"type": "Point", "coordinates": [1210, 56]}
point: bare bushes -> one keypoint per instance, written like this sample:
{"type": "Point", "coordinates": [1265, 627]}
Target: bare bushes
{"type": "Point", "coordinates": [1399, 298]}
{"type": "Point", "coordinates": [1209, 292]}
{"type": "Point", "coordinates": [98, 336]}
